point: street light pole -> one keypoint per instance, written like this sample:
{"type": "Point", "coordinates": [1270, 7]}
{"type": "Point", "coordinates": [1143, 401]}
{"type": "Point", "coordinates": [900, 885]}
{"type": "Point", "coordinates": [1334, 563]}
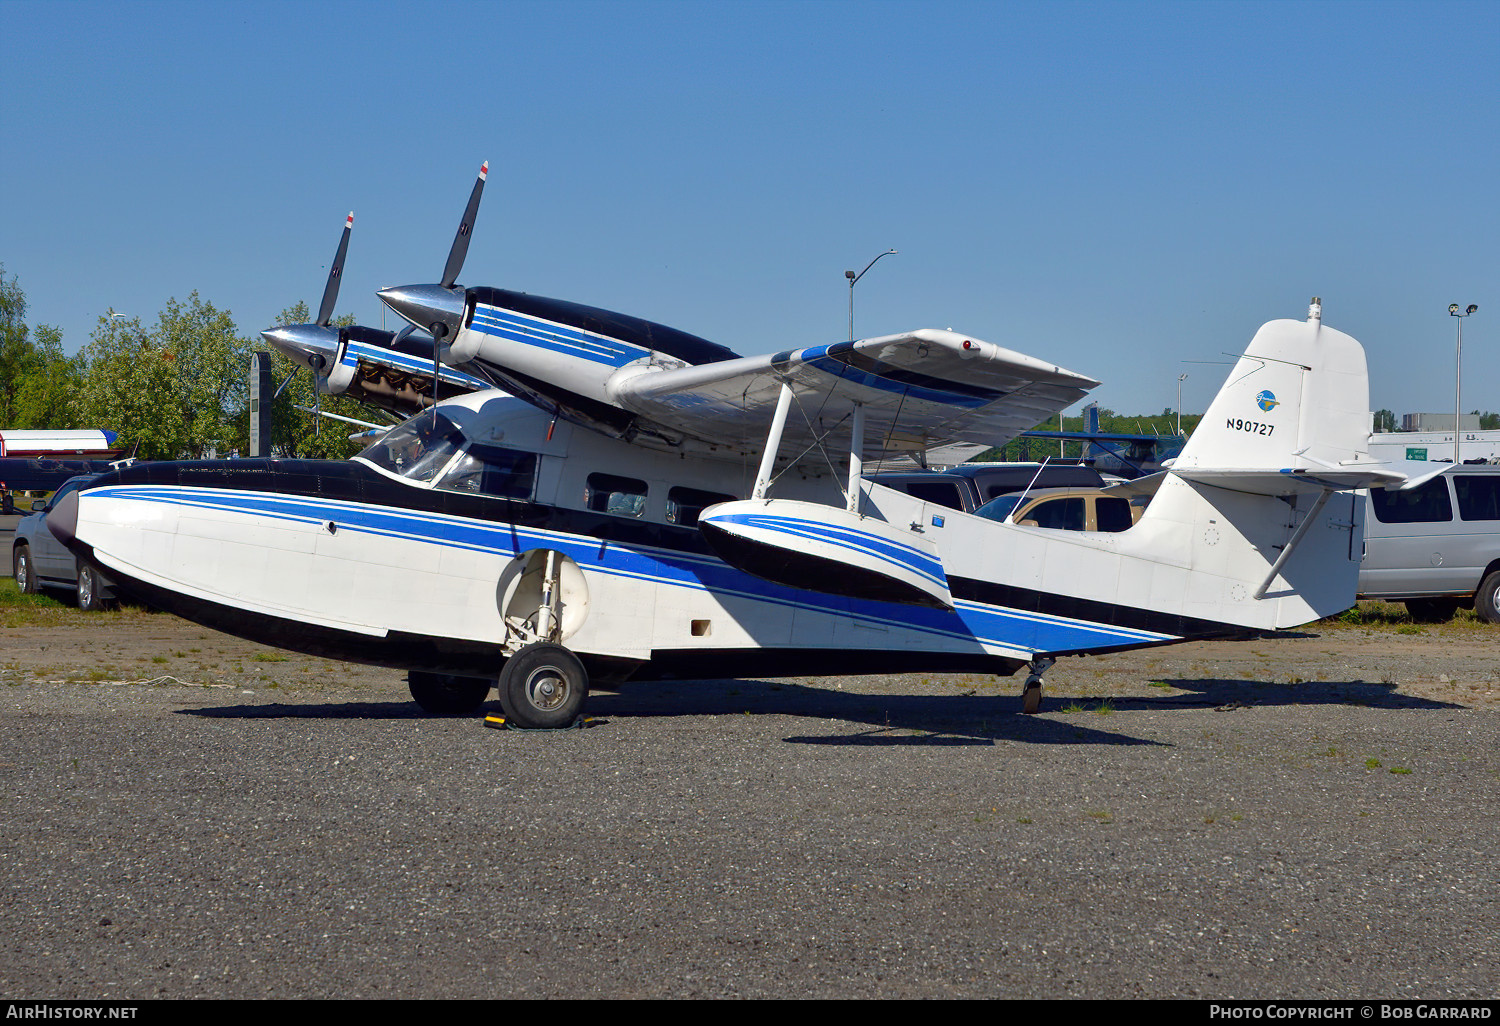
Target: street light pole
{"type": "Point", "coordinates": [1180, 379]}
{"type": "Point", "coordinates": [854, 278]}
{"type": "Point", "coordinates": [1458, 363]}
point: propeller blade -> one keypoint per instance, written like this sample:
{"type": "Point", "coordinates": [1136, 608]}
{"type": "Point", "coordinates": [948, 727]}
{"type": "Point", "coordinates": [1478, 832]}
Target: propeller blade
{"type": "Point", "coordinates": [335, 273]}
{"type": "Point", "coordinates": [465, 229]}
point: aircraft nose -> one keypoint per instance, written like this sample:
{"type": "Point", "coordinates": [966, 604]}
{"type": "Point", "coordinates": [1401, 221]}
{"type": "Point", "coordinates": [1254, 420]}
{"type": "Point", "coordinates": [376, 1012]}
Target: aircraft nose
{"type": "Point", "coordinates": [426, 305]}
{"type": "Point", "coordinates": [311, 345]}
{"type": "Point", "coordinates": [62, 519]}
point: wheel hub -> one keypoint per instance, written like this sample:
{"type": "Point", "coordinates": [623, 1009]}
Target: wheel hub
{"type": "Point", "coordinates": [546, 688]}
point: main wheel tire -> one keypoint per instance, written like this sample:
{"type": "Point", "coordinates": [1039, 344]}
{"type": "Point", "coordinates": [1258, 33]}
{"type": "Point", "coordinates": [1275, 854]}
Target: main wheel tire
{"type": "Point", "coordinates": [543, 687]}
{"type": "Point", "coordinates": [1432, 610]}
{"type": "Point", "coordinates": [25, 570]}
{"type": "Point", "coordinates": [444, 694]}
{"type": "Point", "coordinates": [90, 599]}
{"type": "Point", "coordinates": [1487, 598]}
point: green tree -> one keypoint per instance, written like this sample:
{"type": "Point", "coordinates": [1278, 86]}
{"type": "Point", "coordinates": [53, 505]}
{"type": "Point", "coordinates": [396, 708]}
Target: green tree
{"type": "Point", "coordinates": [1385, 420]}
{"type": "Point", "coordinates": [176, 390]}
{"type": "Point", "coordinates": [38, 383]}
{"type": "Point", "coordinates": [126, 376]}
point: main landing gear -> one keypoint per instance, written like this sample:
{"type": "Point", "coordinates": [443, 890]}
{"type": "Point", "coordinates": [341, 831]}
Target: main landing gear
{"type": "Point", "coordinates": [1031, 696]}
{"type": "Point", "coordinates": [542, 687]}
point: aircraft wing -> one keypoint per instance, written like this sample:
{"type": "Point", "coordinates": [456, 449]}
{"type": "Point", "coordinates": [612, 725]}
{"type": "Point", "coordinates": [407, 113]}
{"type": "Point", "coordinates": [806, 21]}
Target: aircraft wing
{"type": "Point", "coordinates": [919, 389]}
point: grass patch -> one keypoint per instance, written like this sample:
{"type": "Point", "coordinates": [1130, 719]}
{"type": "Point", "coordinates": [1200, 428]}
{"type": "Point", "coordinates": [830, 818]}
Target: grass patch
{"type": "Point", "coordinates": [17, 609]}
{"type": "Point", "coordinates": [1104, 708]}
{"type": "Point", "coordinates": [1373, 614]}
{"type": "Point", "coordinates": [270, 657]}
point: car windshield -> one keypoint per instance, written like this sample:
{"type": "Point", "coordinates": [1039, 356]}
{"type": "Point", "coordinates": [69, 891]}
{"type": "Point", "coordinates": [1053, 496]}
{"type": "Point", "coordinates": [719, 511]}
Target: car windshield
{"type": "Point", "coordinates": [70, 485]}
{"type": "Point", "coordinates": [418, 449]}
{"type": "Point", "coordinates": [998, 509]}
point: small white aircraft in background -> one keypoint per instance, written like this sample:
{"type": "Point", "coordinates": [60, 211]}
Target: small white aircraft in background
{"type": "Point", "coordinates": [658, 506]}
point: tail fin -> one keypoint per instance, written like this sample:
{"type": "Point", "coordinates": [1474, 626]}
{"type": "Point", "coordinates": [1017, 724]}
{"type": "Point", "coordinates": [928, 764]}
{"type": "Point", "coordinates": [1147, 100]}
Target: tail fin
{"type": "Point", "coordinates": [1250, 506]}
{"type": "Point", "coordinates": [1297, 402]}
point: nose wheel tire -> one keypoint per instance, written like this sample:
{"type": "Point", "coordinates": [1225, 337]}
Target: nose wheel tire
{"type": "Point", "coordinates": [543, 687]}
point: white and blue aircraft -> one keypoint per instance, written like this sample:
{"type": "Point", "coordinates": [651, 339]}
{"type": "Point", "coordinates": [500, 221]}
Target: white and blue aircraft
{"type": "Point", "coordinates": [653, 505]}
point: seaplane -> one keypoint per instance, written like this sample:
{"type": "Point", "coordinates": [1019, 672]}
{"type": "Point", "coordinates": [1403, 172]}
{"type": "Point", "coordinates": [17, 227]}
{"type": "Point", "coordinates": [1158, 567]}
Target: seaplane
{"type": "Point", "coordinates": [640, 503]}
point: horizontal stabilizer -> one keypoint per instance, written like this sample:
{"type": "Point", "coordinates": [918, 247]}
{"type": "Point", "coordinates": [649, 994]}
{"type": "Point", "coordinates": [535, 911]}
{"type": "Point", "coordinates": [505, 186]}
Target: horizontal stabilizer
{"type": "Point", "coordinates": [1292, 481]}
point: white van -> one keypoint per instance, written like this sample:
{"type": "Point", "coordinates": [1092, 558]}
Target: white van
{"type": "Point", "coordinates": [1436, 547]}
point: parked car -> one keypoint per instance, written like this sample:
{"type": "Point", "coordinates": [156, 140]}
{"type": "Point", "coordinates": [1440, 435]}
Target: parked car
{"type": "Point", "coordinates": [1064, 509]}
{"type": "Point", "coordinates": [1436, 547]}
{"type": "Point", "coordinates": [39, 560]}
{"type": "Point", "coordinates": [970, 485]}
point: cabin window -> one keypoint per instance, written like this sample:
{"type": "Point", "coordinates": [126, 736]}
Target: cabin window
{"type": "Point", "coordinates": [1478, 496]}
{"type": "Point", "coordinates": [1425, 504]}
{"type": "Point", "coordinates": [1113, 515]}
{"type": "Point", "coordinates": [489, 470]}
{"type": "Point", "coordinates": [418, 449]}
{"type": "Point", "coordinates": [620, 496]}
{"type": "Point", "coordinates": [684, 504]}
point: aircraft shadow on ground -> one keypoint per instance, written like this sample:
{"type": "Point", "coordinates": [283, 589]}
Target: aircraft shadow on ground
{"type": "Point", "coordinates": [899, 720]}
{"type": "Point", "coordinates": [893, 720]}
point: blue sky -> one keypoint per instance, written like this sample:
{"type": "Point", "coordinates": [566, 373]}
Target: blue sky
{"type": "Point", "coordinates": [1122, 188]}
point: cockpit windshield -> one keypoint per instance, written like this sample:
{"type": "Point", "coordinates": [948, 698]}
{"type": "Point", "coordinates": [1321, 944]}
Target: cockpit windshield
{"type": "Point", "coordinates": [419, 449]}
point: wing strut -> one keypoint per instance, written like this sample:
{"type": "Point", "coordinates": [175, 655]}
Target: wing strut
{"type": "Point", "coordinates": [856, 458]}
{"type": "Point", "coordinates": [773, 443]}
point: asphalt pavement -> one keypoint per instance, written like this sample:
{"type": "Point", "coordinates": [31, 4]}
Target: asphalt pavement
{"type": "Point", "coordinates": [837, 838]}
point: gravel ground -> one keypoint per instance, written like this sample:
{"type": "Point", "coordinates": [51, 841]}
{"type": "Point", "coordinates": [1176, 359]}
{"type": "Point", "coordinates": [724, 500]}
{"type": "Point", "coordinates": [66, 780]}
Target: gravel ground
{"type": "Point", "coordinates": [1310, 817]}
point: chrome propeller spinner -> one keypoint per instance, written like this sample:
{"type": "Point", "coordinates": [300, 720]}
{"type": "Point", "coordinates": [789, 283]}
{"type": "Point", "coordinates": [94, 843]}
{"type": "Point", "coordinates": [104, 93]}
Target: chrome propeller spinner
{"type": "Point", "coordinates": [439, 309]}
{"type": "Point", "coordinates": [316, 345]}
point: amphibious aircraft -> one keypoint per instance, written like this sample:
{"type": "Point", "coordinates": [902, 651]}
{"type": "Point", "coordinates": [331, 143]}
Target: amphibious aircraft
{"type": "Point", "coordinates": [633, 515]}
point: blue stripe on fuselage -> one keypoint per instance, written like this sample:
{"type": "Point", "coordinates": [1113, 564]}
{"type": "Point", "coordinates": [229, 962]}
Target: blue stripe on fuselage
{"type": "Point", "coordinates": [971, 621]}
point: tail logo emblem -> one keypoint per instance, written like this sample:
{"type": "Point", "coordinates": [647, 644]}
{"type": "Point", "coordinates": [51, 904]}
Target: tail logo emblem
{"type": "Point", "coordinates": [1267, 400]}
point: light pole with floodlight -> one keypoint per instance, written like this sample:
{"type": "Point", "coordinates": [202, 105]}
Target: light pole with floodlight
{"type": "Point", "coordinates": [1458, 362]}
{"type": "Point", "coordinates": [1180, 379]}
{"type": "Point", "coordinates": [854, 278]}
